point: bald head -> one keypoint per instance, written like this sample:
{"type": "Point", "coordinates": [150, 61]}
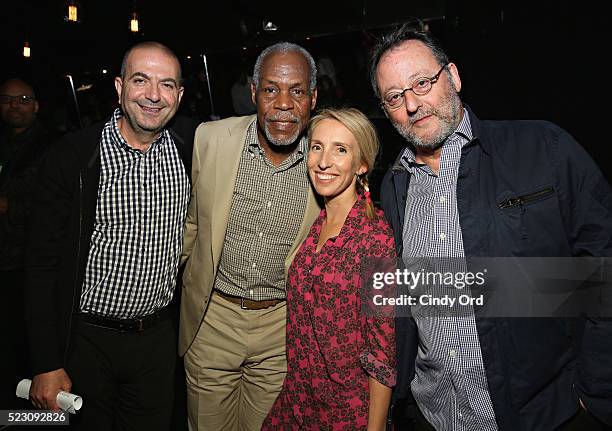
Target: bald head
{"type": "Point", "coordinates": [148, 45]}
{"type": "Point", "coordinates": [18, 105]}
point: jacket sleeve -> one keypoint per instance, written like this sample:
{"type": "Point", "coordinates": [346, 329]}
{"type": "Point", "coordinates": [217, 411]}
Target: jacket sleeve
{"type": "Point", "coordinates": [191, 222]}
{"type": "Point", "coordinates": [588, 206]}
{"type": "Point", "coordinates": [51, 203]}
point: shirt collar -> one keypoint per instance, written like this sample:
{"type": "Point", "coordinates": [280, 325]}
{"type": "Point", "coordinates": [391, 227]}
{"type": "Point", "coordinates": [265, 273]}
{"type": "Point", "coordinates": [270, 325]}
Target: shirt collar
{"type": "Point", "coordinates": [465, 128]}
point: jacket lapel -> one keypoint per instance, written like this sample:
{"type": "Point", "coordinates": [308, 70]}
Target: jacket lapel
{"type": "Point", "coordinates": [227, 160]}
{"type": "Point", "coordinates": [311, 213]}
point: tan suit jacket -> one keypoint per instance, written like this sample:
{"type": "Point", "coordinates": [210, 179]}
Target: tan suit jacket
{"type": "Point", "coordinates": [216, 154]}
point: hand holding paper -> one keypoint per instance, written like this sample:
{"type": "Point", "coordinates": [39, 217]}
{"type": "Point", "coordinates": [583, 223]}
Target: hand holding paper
{"type": "Point", "coordinates": [66, 401]}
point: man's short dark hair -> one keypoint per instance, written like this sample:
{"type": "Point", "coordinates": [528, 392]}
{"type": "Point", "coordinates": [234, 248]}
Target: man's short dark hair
{"type": "Point", "coordinates": [396, 38]}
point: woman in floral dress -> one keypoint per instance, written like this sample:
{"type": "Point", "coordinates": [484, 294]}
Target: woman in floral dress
{"type": "Point", "coordinates": [341, 362]}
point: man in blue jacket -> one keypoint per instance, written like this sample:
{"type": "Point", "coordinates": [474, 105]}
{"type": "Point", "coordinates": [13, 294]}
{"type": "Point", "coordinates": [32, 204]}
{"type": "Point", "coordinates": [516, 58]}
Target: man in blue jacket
{"type": "Point", "coordinates": [464, 188]}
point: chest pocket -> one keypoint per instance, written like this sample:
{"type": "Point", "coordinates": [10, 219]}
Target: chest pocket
{"type": "Point", "coordinates": [529, 198]}
{"type": "Point", "coordinates": [530, 221]}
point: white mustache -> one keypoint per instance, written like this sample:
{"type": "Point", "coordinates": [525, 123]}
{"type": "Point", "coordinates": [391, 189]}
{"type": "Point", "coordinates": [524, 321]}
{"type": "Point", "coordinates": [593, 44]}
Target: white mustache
{"type": "Point", "coordinates": [419, 115]}
{"type": "Point", "coordinates": [290, 118]}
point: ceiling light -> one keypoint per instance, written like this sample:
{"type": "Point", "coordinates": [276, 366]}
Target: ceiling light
{"type": "Point", "coordinates": [134, 23]}
{"type": "Point", "coordinates": [72, 11]}
{"type": "Point", "coordinates": [269, 26]}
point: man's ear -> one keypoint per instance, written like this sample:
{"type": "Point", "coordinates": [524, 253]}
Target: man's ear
{"type": "Point", "coordinates": [454, 74]}
{"type": "Point", "coordinates": [119, 87]}
{"type": "Point", "coordinates": [313, 103]}
{"type": "Point", "coordinates": [253, 93]}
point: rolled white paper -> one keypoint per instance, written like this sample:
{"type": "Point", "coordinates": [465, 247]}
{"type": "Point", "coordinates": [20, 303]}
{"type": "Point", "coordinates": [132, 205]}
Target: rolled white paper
{"type": "Point", "coordinates": [66, 401]}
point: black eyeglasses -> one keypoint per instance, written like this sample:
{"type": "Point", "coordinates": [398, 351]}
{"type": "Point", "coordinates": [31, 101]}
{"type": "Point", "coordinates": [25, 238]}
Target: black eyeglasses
{"type": "Point", "coordinates": [420, 87]}
{"type": "Point", "coordinates": [5, 99]}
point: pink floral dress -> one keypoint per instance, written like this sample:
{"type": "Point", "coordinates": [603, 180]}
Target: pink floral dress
{"type": "Point", "coordinates": [332, 347]}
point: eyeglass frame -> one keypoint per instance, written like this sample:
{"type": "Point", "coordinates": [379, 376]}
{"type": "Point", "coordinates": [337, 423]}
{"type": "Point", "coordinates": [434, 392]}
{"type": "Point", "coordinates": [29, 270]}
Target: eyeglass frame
{"type": "Point", "coordinates": [22, 99]}
{"type": "Point", "coordinates": [431, 80]}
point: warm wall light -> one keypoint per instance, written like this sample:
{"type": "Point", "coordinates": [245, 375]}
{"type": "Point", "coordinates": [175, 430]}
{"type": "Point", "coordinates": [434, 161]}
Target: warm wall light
{"type": "Point", "coordinates": [26, 50]}
{"type": "Point", "coordinates": [134, 23]}
{"type": "Point", "coordinates": [72, 11]}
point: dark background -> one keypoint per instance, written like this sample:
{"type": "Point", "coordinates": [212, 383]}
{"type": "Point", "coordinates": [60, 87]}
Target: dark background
{"type": "Point", "coordinates": [517, 60]}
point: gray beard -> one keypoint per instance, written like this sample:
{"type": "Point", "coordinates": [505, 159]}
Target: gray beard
{"type": "Point", "coordinates": [280, 142]}
{"type": "Point", "coordinates": [449, 114]}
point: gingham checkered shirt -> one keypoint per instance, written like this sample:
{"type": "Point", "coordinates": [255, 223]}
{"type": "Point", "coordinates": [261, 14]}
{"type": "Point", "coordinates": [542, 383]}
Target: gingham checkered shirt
{"type": "Point", "coordinates": [138, 229]}
{"type": "Point", "coordinates": [450, 384]}
{"type": "Point", "coordinates": [267, 210]}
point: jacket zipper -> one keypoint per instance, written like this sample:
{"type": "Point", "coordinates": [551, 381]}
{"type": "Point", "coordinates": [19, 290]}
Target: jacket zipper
{"type": "Point", "coordinates": [522, 200]}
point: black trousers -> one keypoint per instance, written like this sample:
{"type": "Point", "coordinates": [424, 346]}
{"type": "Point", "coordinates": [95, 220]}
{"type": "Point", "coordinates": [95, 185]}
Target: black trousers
{"type": "Point", "coordinates": [126, 379]}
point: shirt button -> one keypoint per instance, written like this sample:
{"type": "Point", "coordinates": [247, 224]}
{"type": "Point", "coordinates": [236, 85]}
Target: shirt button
{"type": "Point", "coordinates": [442, 235]}
{"type": "Point", "coordinates": [442, 199]}
{"type": "Point", "coordinates": [452, 353]}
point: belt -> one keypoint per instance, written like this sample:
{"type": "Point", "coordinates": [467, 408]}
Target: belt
{"type": "Point", "coordinates": [137, 324]}
{"type": "Point", "coordinates": [249, 304]}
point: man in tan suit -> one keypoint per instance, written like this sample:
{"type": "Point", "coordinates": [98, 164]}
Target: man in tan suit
{"type": "Point", "coordinates": [251, 208]}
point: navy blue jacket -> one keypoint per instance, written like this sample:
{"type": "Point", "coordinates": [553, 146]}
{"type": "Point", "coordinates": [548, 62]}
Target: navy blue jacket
{"type": "Point", "coordinates": [536, 368]}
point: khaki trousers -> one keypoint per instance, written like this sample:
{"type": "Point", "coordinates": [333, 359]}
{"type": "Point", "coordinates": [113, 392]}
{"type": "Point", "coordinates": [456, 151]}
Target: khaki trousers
{"type": "Point", "coordinates": [235, 367]}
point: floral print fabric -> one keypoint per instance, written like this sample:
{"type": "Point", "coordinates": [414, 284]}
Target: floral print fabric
{"type": "Point", "coordinates": [332, 347]}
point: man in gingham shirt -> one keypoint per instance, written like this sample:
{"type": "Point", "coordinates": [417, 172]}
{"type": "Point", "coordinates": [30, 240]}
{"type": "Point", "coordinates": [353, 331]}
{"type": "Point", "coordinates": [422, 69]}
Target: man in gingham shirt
{"type": "Point", "coordinates": [107, 234]}
{"type": "Point", "coordinates": [251, 207]}
{"type": "Point", "coordinates": [465, 187]}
